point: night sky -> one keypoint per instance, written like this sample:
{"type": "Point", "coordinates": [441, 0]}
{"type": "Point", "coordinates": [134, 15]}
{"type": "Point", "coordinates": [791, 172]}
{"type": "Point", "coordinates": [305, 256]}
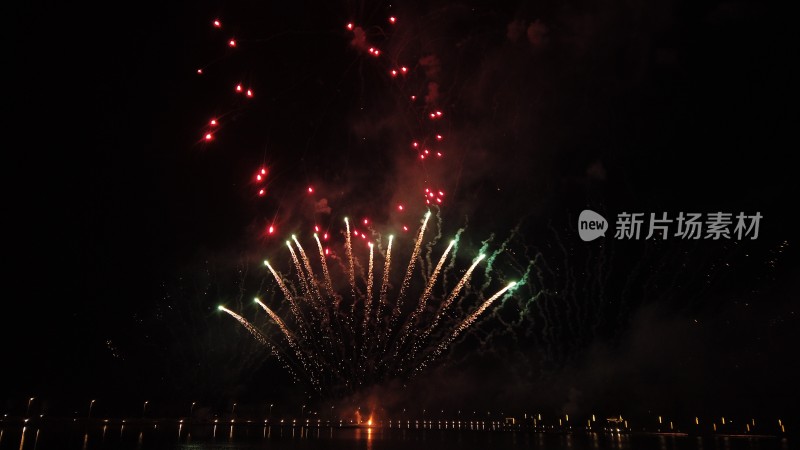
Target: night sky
{"type": "Point", "coordinates": [126, 229]}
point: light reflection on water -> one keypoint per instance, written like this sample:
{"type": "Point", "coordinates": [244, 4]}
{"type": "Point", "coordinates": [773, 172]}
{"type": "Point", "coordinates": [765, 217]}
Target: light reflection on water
{"type": "Point", "coordinates": [205, 437]}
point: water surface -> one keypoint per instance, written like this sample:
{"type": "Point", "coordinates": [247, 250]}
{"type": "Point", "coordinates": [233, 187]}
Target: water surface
{"type": "Point", "coordinates": [174, 436]}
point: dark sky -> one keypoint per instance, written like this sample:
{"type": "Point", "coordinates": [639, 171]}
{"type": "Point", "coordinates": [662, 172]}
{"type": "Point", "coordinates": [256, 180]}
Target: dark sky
{"type": "Point", "coordinates": [118, 211]}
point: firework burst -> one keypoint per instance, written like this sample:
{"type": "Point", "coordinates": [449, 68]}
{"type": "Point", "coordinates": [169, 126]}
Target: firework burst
{"type": "Point", "coordinates": [359, 335]}
{"type": "Point", "coordinates": [348, 324]}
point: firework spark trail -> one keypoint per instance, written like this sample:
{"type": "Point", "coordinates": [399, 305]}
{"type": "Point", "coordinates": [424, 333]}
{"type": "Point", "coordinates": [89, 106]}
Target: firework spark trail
{"type": "Point", "coordinates": [249, 327]}
{"type": "Point", "coordinates": [311, 358]}
{"type": "Point", "coordinates": [523, 301]}
{"type": "Point", "coordinates": [345, 326]}
{"type": "Point", "coordinates": [413, 319]}
{"type": "Point", "coordinates": [318, 311]}
{"type": "Point", "coordinates": [368, 300]}
{"type": "Point", "coordinates": [385, 284]}
{"type": "Point", "coordinates": [300, 274]}
{"type": "Point", "coordinates": [367, 309]}
{"type": "Point", "coordinates": [324, 262]}
{"type": "Point", "coordinates": [427, 263]}
{"type": "Point", "coordinates": [312, 282]}
{"type": "Point", "coordinates": [446, 303]}
{"type": "Point", "coordinates": [289, 338]}
{"type": "Point", "coordinates": [262, 340]}
{"type": "Point", "coordinates": [461, 327]}
{"type": "Point", "coordinates": [490, 259]}
{"type": "Point", "coordinates": [383, 302]}
{"type": "Point", "coordinates": [522, 304]}
{"type": "Point", "coordinates": [492, 256]}
{"type": "Point", "coordinates": [454, 293]}
{"type": "Point", "coordinates": [351, 275]}
{"type": "Point", "coordinates": [292, 303]}
{"type": "Point", "coordinates": [407, 279]}
{"type": "Point", "coordinates": [317, 301]}
{"type": "Point", "coordinates": [450, 268]}
{"type": "Point", "coordinates": [335, 335]}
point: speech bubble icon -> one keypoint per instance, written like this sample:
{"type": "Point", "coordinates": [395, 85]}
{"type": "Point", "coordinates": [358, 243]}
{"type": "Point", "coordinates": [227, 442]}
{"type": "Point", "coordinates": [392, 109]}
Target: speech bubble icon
{"type": "Point", "coordinates": [591, 225]}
